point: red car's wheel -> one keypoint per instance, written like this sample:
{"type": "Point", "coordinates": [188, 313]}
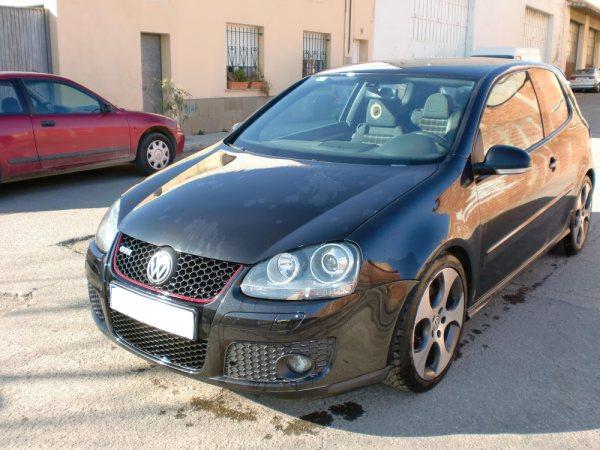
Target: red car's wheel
{"type": "Point", "coordinates": [155, 152]}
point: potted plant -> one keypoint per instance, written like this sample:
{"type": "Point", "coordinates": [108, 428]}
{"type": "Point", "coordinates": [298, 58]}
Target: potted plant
{"type": "Point", "coordinates": [256, 81]}
{"type": "Point", "coordinates": [237, 80]}
{"type": "Point", "coordinates": [265, 88]}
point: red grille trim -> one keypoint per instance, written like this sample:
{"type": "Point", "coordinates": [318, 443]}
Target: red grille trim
{"type": "Point", "coordinates": [122, 276]}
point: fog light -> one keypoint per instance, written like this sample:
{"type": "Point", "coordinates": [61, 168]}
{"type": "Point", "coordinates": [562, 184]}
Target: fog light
{"type": "Point", "coordinates": [299, 364]}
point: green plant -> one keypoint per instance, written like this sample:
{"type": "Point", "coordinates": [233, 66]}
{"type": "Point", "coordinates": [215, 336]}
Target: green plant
{"type": "Point", "coordinates": [200, 132]}
{"type": "Point", "coordinates": [173, 100]}
{"type": "Point", "coordinates": [266, 87]}
{"type": "Point", "coordinates": [239, 75]}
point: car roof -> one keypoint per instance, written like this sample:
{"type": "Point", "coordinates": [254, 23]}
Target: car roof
{"type": "Point", "coordinates": [472, 67]}
{"type": "Point", "coordinates": [16, 74]}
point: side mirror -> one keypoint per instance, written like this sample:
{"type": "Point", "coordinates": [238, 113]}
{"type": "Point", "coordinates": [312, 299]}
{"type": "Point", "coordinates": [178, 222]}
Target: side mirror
{"type": "Point", "coordinates": [105, 108]}
{"type": "Point", "coordinates": [504, 160]}
{"type": "Point", "coordinates": [235, 126]}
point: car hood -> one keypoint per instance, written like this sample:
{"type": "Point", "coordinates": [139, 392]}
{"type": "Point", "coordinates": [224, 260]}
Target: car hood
{"type": "Point", "coordinates": [240, 207]}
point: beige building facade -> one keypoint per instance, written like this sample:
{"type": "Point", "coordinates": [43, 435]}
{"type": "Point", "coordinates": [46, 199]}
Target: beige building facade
{"type": "Point", "coordinates": [583, 35]}
{"type": "Point", "coordinates": [225, 54]}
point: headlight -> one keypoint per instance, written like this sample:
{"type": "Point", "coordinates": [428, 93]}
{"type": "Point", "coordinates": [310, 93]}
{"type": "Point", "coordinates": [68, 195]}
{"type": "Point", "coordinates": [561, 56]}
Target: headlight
{"type": "Point", "coordinates": [107, 230]}
{"type": "Point", "coordinates": [323, 271]}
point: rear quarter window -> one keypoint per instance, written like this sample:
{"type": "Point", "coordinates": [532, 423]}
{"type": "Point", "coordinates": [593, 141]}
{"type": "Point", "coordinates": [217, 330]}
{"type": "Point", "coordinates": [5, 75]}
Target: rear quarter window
{"type": "Point", "coordinates": [555, 110]}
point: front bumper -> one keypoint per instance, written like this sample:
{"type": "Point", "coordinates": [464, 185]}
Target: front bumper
{"type": "Point", "coordinates": [241, 338]}
{"type": "Point", "coordinates": [180, 141]}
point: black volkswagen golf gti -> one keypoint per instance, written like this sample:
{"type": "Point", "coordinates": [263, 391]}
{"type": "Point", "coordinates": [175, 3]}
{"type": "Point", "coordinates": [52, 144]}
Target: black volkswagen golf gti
{"type": "Point", "coordinates": [343, 234]}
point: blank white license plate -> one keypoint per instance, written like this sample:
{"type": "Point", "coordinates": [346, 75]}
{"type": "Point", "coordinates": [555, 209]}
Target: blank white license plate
{"type": "Point", "coordinates": [153, 312]}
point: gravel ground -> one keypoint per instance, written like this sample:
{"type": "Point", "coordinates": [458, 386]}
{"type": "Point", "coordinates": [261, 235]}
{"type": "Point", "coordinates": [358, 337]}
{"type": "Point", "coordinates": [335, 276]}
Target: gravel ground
{"type": "Point", "coordinates": [527, 373]}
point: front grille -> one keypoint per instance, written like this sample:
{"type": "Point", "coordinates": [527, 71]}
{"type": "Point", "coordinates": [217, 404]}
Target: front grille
{"type": "Point", "coordinates": [256, 361]}
{"type": "Point", "coordinates": [95, 302]}
{"type": "Point", "coordinates": [195, 278]}
{"type": "Point", "coordinates": [176, 350]}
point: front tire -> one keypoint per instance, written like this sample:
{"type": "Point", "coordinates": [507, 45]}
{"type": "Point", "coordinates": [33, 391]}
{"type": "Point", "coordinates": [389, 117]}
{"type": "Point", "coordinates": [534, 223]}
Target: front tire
{"type": "Point", "coordinates": [429, 327]}
{"type": "Point", "coordinates": [155, 152]}
{"type": "Point", "coordinates": [580, 223]}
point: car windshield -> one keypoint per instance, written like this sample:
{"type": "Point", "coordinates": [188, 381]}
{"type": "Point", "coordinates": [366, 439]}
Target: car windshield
{"type": "Point", "coordinates": [585, 72]}
{"type": "Point", "coordinates": [366, 118]}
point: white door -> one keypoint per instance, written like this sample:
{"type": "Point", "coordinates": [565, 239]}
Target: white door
{"type": "Point", "coordinates": [535, 31]}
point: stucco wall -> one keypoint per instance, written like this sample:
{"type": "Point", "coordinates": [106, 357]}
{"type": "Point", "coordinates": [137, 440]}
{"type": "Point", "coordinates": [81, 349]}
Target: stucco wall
{"type": "Point", "coordinates": [97, 43]}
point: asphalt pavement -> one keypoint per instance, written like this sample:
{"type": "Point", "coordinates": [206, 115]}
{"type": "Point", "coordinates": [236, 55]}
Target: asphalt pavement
{"type": "Point", "coordinates": [528, 372]}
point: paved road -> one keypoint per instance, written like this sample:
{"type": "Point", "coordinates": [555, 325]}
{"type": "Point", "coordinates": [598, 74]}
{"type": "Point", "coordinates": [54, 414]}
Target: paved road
{"type": "Point", "coordinates": [528, 374]}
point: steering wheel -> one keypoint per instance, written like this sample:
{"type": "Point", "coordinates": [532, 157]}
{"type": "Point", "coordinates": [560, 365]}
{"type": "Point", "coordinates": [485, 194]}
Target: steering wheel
{"type": "Point", "coordinates": [435, 137]}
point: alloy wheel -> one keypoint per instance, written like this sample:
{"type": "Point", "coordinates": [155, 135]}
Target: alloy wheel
{"type": "Point", "coordinates": [158, 154]}
{"type": "Point", "coordinates": [583, 214]}
{"type": "Point", "coordinates": [438, 323]}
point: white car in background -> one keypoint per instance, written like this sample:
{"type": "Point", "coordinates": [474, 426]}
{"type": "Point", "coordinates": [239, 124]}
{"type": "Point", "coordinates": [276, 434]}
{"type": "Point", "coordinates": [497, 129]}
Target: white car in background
{"type": "Point", "coordinates": [584, 79]}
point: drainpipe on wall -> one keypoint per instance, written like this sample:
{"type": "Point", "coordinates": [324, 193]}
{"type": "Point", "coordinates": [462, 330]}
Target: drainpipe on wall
{"type": "Point", "coordinates": [347, 31]}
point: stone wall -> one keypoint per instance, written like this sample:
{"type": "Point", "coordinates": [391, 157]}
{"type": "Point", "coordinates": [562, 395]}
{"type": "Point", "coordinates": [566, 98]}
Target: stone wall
{"type": "Point", "coordinates": [217, 114]}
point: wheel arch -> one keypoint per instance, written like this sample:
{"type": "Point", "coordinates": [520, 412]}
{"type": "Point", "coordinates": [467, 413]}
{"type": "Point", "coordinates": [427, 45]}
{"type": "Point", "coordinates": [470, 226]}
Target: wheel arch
{"type": "Point", "coordinates": [158, 129]}
{"type": "Point", "coordinates": [592, 174]}
{"type": "Point", "coordinates": [463, 257]}
{"type": "Point", "coordinates": [460, 250]}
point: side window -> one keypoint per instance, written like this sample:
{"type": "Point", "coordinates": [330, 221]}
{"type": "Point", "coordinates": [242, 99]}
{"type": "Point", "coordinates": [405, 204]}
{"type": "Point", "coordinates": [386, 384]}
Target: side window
{"type": "Point", "coordinates": [9, 99]}
{"type": "Point", "coordinates": [51, 97]}
{"type": "Point", "coordinates": [512, 114]}
{"type": "Point", "coordinates": [555, 110]}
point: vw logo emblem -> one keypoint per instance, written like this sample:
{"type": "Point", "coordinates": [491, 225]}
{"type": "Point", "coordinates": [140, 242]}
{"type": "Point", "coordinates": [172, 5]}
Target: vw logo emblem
{"type": "Point", "coordinates": [161, 266]}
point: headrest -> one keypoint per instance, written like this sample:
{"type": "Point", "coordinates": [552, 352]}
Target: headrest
{"type": "Point", "coordinates": [387, 92]}
{"type": "Point", "coordinates": [436, 107]}
{"type": "Point", "coordinates": [379, 115]}
{"type": "Point", "coordinates": [10, 105]}
{"type": "Point", "coordinates": [408, 92]}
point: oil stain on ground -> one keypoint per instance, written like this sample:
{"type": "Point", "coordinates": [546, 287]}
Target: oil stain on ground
{"type": "Point", "coordinates": [312, 422]}
{"type": "Point", "coordinates": [219, 408]}
{"type": "Point", "coordinates": [77, 244]}
{"type": "Point", "coordinates": [348, 411]}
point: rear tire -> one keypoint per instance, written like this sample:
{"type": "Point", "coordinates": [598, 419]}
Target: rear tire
{"type": "Point", "coordinates": [579, 227]}
{"type": "Point", "coordinates": [429, 327]}
{"type": "Point", "coordinates": [155, 152]}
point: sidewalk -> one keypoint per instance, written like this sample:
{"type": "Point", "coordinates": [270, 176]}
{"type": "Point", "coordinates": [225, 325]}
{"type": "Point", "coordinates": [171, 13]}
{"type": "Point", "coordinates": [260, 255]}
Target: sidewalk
{"type": "Point", "coordinates": [194, 142]}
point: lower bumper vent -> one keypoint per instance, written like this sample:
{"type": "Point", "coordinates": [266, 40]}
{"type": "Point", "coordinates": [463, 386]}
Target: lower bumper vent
{"type": "Point", "coordinates": [170, 348]}
{"type": "Point", "coordinates": [95, 302]}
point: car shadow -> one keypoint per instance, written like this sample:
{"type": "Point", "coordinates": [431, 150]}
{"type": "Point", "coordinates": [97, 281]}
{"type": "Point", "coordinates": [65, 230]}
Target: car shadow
{"type": "Point", "coordinates": [90, 189]}
{"type": "Point", "coordinates": [527, 364]}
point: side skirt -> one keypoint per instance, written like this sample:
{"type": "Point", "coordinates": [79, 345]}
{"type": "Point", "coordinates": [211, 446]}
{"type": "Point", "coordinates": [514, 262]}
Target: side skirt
{"type": "Point", "coordinates": [489, 295]}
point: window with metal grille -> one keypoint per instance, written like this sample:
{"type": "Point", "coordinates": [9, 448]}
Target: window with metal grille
{"type": "Point", "coordinates": [441, 25]}
{"type": "Point", "coordinates": [535, 30]}
{"type": "Point", "coordinates": [243, 52]}
{"type": "Point", "coordinates": [314, 52]}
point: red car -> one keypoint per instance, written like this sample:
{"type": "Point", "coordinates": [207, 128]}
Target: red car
{"type": "Point", "coordinates": [50, 125]}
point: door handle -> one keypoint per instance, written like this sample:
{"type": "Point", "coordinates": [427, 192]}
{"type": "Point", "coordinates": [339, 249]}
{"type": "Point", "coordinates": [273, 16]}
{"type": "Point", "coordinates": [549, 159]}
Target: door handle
{"type": "Point", "coordinates": [47, 123]}
{"type": "Point", "coordinates": [552, 164]}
